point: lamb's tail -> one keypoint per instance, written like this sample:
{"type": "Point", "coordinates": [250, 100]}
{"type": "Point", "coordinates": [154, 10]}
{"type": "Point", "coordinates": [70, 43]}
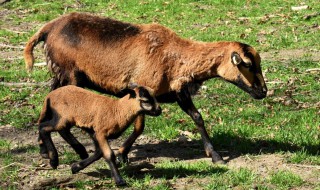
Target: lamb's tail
{"type": "Point", "coordinates": [46, 112]}
{"type": "Point", "coordinates": [41, 35]}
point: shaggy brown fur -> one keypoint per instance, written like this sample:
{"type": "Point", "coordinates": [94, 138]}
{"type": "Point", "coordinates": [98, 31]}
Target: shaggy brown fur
{"type": "Point", "coordinates": [107, 55]}
{"type": "Point", "coordinates": [107, 118]}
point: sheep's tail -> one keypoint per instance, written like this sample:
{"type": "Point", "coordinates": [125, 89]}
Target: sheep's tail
{"type": "Point", "coordinates": [41, 35]}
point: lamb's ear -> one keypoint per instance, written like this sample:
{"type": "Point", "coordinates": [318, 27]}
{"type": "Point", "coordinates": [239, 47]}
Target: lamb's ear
{"type": "Point", "coordinates": [132, 93]}
{"type": "Point", "coordinates": [144, 94]}
{"type": "Point", "coordinates": [235, 58]}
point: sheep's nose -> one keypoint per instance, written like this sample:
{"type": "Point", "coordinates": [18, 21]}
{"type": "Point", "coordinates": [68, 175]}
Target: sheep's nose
{"type": "Point", "coordinates": [158, 111]}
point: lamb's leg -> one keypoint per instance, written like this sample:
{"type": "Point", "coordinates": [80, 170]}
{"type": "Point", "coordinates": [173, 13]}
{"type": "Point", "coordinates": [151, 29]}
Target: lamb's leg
{"type": "Point", "coordinates": [185, 102]}
{"type": "Point", "coordinates": [74, 143]}
{"type": "Point", "coordinates": [45, 136]}
{"type": "Point", "coordinates": [126, 146]}
{"type": "Point", "coordinates": [43, 149]}
{"type": "Point", "coordinates": [110, 158]}
{"type": "Point", "coordinates": [76, 167]}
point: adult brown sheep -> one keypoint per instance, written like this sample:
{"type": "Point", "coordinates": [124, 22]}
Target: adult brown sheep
{"type": "Point", "coordinates": [106, 55]}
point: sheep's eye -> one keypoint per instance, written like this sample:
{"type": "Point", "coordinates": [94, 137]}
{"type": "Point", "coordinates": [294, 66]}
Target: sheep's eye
{"type": "Point", "coordinates": [146, 105]}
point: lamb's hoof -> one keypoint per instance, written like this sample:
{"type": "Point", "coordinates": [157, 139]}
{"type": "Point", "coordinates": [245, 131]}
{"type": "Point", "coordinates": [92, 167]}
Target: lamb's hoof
{"type": "Point", "coordinates": [54, 163]}
{"type": "Point", "coordinates": [44, 155]}
{"type": "Point", "coordinates": [75, 168]}
{"type": "Point", "coordinates": [84, 155]}
{"type": "Point", "coordinates": [217, 159]}
{"type": "Point", "coordinates": [221, 162]}
{"type": "Point", "coordinates": [121, 182]}
{"type": "Point", "coordinates": [121, 159]}
{"type": "Point", "coordinates": [43, 151]}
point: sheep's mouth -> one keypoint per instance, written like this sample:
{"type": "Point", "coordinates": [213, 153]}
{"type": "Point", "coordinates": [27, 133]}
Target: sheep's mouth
{"type": "Point", "coordinates": [256, 92]}
{"type": "Point", "coordinates": [155, 112]}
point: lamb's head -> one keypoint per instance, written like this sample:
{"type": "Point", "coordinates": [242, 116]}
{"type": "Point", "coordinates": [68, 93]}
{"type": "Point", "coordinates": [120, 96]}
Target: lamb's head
{"type": "Point", "coordinates": [241, 66]}
{"type": "Point", "coordinates": [147, 101]}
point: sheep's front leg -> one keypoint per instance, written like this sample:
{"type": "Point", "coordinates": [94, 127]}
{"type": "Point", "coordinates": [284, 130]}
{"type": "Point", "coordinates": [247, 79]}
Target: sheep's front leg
{"type": "Point", "coordinates": [126, 146]}
{"type": "Point", "coordinates": [185, 102]}
{"type": "Point", "coordinates": [76, 167]}
{"type": "Point", "coordinates": [74, 143]}
{"type": "Point", "coordinates": [110, 158]}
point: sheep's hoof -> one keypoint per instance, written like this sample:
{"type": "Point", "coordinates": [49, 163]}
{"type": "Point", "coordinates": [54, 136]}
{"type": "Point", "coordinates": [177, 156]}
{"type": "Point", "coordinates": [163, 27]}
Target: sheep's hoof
{"type": "Point", "coordinates": [217, 159]}
{"type": "Point", "coordinates": [43, 151]}
{"type": "Point", "coordinates": [220, 162]}
{"type": "Point", "coordinates": [121, 182]}
{"type": "Point", "coordinates": [121, 159]}
{"type": "Point", "coordinates": [75, 168]}
{"type": "Point", "coordinates": [44, 155]}
{"type": "Point", "coordinates": [84, 155]}
{"type": "Point", "coordinates": [54, 163]}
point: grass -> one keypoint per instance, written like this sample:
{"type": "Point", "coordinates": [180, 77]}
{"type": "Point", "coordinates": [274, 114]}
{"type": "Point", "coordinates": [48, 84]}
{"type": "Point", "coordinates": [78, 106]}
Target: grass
{"type": "Point", "coordinates": [287, 122]}
{"type": "Point", "coordinates": [286, 179]}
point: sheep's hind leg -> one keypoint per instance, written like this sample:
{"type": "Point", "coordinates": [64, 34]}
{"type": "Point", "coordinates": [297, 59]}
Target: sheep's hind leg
{"type": "Point", "coordinates": [185, 102]}
{"type": "Point", "coordinates": [76, 167]}
{"type": "Point", "coordinates": [45, 136]}
{"type": "Point", "coordinates": [56, 83]}
{"type": "Point", "coordinates": [123, 151]}
{"type": "Point", "coordinates": [74, 143]}
{"type": "Point", "coordinates": [43, 148]}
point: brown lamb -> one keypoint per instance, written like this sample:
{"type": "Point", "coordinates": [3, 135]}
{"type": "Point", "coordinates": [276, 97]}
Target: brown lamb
{"type": "Point", "coordinates": [102, 117]}
{"type": "Point", "coordinates": [106, 55]}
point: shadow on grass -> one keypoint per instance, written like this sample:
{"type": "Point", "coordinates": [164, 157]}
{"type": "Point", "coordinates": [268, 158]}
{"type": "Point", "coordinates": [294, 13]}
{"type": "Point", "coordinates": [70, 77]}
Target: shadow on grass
{"type": "Point", "coordinates": [138, 171]}
{"type": "Point", "coordinates": [226, 144]}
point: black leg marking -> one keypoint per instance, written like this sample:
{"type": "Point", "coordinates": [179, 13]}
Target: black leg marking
{"type": "Point", "coordinates": [185, 102]}
{"type": "Point", "coordinates": [45, 135]}
{"type": "Point", "coordinates": [74, 143]}
{"type": "Point", "coordinates": [76, 167]}
{"type": "Point", "coordinates": [126, 146]}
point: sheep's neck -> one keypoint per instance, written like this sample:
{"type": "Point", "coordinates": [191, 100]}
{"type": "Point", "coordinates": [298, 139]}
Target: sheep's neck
{"type": "Point", "coordinates": [126, 110]}
{"type": "Point", "coordinates": [197, 62]}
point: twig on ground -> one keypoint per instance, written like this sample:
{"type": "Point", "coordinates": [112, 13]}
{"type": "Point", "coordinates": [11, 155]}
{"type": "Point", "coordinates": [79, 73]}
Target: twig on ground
{"type": "Point", "coordinates": [4, 46]}
{"type": "Point", "coordinates": [248, 157]}
{"type": "Point", "coordinates": [298, 8]}
{"type": "Point", "coordinates": [21, 84]}
{"type": "Point", "coordinates": [40, 64]}
{"type": "Point", "coordinates": [14, 31]}
{"type": "Point", "coordinates": [306, 166]}
{"type": "Point", "coordinates": [12, 164]}
{"type": "Point", "coordinates": [307, 17]}
{"type": "Point", "coordinates": [312, 70]}
{"type": "Point", "coordinates": [275, 82]}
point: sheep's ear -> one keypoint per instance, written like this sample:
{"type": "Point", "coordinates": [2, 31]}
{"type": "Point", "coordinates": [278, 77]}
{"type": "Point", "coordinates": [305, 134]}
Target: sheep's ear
{"type": "Point", "coordinates": [235, 58]}
{"type": "Point", "coordinates": [144, 94]}
{"type": "Point", "coordinates": [132, 93]}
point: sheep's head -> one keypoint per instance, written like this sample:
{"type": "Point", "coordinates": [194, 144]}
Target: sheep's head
{"type": "Point", "coordinates": [148, 102]}
{"type": "Point", "coordinates": [241, 67]}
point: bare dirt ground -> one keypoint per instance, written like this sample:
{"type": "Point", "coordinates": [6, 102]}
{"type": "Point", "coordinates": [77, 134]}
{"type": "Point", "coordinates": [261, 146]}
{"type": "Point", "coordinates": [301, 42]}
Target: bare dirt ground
{"type": "Point", "coordinates": [36, 173]}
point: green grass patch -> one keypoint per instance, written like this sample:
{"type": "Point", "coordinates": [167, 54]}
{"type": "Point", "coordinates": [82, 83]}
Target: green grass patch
{"type": "Point", "coordinates": [286, 179]}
